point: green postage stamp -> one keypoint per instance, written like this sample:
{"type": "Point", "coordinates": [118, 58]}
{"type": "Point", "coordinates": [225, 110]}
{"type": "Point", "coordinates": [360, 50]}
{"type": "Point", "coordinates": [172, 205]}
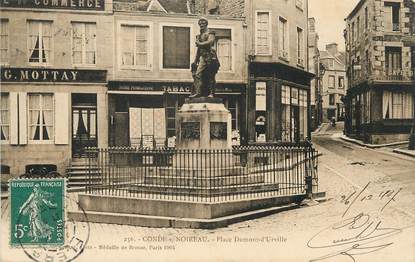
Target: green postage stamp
{"type": "Point", "coordinates": [37, 212]}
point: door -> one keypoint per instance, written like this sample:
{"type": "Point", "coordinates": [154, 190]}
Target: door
{"type": "Point", "coordinates": [84, 129]}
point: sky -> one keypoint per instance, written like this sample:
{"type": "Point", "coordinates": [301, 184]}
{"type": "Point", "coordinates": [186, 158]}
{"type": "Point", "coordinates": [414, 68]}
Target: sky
{"type": "Point", "coordinates": [330, 15]}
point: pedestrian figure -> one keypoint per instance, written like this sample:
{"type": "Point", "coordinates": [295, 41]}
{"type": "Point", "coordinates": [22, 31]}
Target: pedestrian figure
{"type": "Point", "coordinates": [206, 63]}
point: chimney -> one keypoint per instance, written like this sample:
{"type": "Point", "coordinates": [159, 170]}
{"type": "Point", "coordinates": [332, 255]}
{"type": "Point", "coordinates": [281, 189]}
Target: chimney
{"type": "Point", "coordinates": [332, 48]}
{"type": "Point", "coordinates": [311, 24]}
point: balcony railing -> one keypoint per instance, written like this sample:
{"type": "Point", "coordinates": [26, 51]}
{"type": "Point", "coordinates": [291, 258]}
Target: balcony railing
{"type": "Point", "coordinates": [395, 27]}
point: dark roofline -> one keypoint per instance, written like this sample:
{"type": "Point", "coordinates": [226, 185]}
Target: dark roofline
{"type": "Point", "coordinates": [356, 9]}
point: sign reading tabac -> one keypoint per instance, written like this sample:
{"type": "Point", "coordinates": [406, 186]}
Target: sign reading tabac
{"type": "Point", "coordinates": [52, 75]}
{"type": "Point", "coordinates": [96, 5]}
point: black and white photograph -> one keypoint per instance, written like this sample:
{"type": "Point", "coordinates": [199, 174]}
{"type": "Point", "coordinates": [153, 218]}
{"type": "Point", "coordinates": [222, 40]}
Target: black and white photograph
{"type": "Point", "coordinates": [207, 130]}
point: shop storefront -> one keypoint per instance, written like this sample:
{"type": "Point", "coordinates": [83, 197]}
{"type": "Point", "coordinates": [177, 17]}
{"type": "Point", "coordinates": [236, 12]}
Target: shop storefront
{"type": "Point", "coordinates": [49, 115]}
{"type": "Point", "coordinates": [278, 103]}
{"type": "Point", "coordinates": [380, 113]}
{"type": "Point", "coordinates": [143, 114]}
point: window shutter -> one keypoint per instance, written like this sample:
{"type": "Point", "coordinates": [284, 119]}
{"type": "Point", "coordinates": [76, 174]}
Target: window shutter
{"type": "Point", "coordinates": [22, 118]}
{"type": "Point", "coordinates": [14, 125]}
{"type": "Point", "coordinates": [61, 118]}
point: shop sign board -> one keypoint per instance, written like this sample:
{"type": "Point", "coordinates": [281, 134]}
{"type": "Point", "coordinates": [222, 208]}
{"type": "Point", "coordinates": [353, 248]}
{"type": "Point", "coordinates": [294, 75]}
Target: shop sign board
{"type": "Point", "coordinates": [93, 5]}
{"type": "Point", "coordinates": [52, 75]}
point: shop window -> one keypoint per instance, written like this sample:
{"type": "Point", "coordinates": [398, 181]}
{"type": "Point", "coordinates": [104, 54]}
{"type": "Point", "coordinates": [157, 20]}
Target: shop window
{"type": "Point", "coordinates": [40, 42]}
{"type": "Point", "coordinates": [40, 117]}
{"type": "Point", "coordinates": [283, 38]}
{"type": "Point", "coordinates": [135, 46]}
{"type": "Point", "coordinates": [232, 105]}
{"type": "Point", "coordinates": [397, 105]}
{"type": "Point", "coordinates": [176, 47]}
{"type": "Point", "coordinates": [4, 41]}
{"type": "Point", "coordinates": [332, 81]}
{"type": "Point", "coordinates": [286, 113]}
{"type": "Point", "coordinates": [332, 99]}
{"type": "Point", "coordinates": [300, 46]}
{"type": "Point", "coordinates": [303, 114]}
{"type": "Point", "coordinates": [263, 33]}
{"type": "Point", "coordinates": [4, 117]}
{"type": "Point", "coordinates": [341, 82]}
{"type": "Point", "coordinates": [223, 46]}
{"type": "Point", "coordinates": [83, 43]}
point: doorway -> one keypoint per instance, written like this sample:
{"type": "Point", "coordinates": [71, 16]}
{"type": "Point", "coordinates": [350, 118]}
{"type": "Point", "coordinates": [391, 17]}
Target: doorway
{"type": "Point", "coordinates": [84, 123]}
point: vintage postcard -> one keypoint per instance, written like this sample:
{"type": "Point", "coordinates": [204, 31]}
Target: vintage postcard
{"type": "Point", "coordinates": [207, 130]}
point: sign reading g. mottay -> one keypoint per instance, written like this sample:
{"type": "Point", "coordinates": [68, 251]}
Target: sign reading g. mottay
{"type": "Point", "coordinates": [97, 5]}
{"type": "Point", "coordinates": [52, 75]}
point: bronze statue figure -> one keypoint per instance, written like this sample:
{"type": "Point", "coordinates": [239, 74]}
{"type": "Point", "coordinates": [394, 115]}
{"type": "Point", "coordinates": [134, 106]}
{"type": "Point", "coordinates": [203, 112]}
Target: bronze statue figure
{"type": "Point", "coordinates": [206, 63]}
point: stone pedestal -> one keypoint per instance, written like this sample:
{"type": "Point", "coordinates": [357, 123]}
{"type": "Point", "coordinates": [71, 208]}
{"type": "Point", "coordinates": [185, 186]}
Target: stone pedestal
{"type": "Point", "coordinates": [203, 123]}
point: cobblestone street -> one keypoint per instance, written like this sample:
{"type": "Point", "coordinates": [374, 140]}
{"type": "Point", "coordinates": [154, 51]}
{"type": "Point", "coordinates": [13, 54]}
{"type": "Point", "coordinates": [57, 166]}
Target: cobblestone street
{"type": "Point", "coordinates": [382, 181]}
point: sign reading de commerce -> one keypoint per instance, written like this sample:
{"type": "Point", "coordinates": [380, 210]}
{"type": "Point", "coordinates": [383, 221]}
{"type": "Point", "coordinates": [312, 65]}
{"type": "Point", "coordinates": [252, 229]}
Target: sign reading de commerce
{"type": "Point", "coordinates": [52, 75]}
{"type": "Point", "coordinates": [97, 5]}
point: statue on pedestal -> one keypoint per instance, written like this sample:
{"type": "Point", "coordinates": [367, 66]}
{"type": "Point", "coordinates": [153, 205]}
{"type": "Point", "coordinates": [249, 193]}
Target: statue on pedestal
{"type": "Point", "coordinates": [206, 63]}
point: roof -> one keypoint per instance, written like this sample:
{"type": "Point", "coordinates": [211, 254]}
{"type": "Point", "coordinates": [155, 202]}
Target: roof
{"type": "Point", "coordinates": [170, 6]}
{"type": "Point", "coordinates": [175, 6]}
{"type": "Point", "coordinates": [356, 9]}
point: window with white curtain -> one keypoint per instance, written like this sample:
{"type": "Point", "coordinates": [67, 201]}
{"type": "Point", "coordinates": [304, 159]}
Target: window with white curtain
{"type": "Point", "coordinates": [223, 46]}
{"type": "Point", "coordinates": [135, 47]}
{"type": "Point", "coordinates": [263, 34]}
{"type": "Point", "coordinates": [4, 41]}
{"type": "Point", "coordinates": [397, 105]}
{"type": "Point", "coordinates": [40, 42]}
{"type": "Point", "coordinates": [83, 43]}
{"type": "Point", "coordinates": [40, 117]}
{"type": "Point", "coordinates": [4, 117]}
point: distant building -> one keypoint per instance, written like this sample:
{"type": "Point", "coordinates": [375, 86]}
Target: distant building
{"type": "Point", "coordinates": [334, 83]}
{"type": "Point", "coordinates": [380, 68]}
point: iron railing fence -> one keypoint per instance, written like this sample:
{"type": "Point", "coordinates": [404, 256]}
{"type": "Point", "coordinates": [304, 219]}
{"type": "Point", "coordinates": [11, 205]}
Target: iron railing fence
{"type": "Point", "coordinates": [203, 175]}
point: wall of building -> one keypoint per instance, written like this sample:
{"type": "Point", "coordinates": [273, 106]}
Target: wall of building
{"type": "Point", "coordinates": [40, 80]}
{"type": "Point", "coordinates": [296, 17]}
{"type": "Point", "coordinates": [156, 72]}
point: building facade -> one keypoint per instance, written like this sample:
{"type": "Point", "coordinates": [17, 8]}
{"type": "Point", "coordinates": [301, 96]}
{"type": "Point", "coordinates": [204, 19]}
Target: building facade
{"type": "Point", "coordinates": [278, 92]}
{"type": "Point", "coordinates": [314, 68]}
{"type": "Point", "coordinates": [154, 49]}
{"type": "Point", "coordinates": [334, 83]}
{"type": "Point", "coordinates": [55, 61]}
{"type": "Point", "coordinates": [380, 69]}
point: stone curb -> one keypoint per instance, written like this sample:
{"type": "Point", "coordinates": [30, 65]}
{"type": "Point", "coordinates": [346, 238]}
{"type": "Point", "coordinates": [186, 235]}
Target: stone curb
{"type": "Point", "coordinates": [405, 152]}
{"type": "Point", "coordinates": [360, 143]}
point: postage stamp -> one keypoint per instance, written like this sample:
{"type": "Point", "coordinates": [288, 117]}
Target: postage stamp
{"type": "Point", "coordinates": [37, 212]}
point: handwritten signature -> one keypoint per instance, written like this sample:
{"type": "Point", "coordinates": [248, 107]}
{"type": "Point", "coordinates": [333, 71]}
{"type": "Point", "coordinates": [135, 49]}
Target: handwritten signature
{"type": "Point", "coordinates": [356, 235]}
